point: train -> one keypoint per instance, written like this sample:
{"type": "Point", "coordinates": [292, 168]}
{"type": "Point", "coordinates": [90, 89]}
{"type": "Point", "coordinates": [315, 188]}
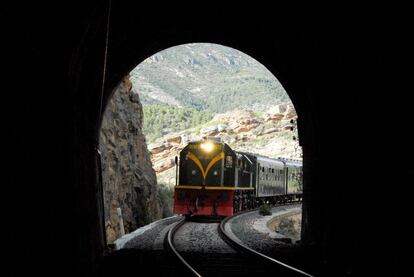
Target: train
{"type": "Point", "coordinates": [212, 179]}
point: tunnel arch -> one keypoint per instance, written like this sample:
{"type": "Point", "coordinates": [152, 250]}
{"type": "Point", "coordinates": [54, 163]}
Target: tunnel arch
{"type": "Point", "coordinates": [283, 57]}
{"type": "Point", "coordinates": [342, 66]}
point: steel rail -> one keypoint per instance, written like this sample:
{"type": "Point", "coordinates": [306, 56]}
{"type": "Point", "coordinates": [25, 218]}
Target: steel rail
{"type": "Point", "coordinates": [290, 270]}
{"type": "Point", "coordinates": [170, 239]}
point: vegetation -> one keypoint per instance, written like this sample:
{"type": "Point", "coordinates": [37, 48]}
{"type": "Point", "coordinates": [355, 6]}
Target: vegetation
{"type": "Point", "coordinates": [206, 76]}
{"type": "Point", "coordinates": [141, 214]}
{"type": "Point", "coordinates": [185, 86]}
{"type": "Point", "coordinates": [166, 194]}
{"type": "Point", "coordinates": [265, 209]}
{"type": "Point", "coordinates": [258, 114]}
{"type": "Point", "coordinates": [161, 119]}
{"type": "Point", "coordinates": [290, 226]}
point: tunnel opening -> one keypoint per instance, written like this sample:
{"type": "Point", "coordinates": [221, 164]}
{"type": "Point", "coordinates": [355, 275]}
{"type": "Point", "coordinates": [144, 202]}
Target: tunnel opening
{"type": "Point", "coordinates": [340, 71]}
{"type": "Point", "coordinates": [186, 93]}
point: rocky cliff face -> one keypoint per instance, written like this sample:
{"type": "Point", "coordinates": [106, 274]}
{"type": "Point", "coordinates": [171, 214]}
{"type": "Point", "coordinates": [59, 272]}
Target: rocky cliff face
{"type": "Point", "coordinates": [129, 181]}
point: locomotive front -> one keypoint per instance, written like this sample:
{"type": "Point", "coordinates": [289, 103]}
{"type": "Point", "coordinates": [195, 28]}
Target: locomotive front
{"type": "Point", "coordinates": [205, 183]}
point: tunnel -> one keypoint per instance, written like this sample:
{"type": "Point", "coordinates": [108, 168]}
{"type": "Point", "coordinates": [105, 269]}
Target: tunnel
{"type": "Point", "coordinates": [339, 71]}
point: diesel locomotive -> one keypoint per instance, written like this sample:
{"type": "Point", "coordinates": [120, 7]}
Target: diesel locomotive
{"type": "Point", "coordinates": [214, 180]}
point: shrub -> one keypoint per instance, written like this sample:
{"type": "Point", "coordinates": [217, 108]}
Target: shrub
{"type": "Point", "coordinates": [166, 195]}
{"type": "Point", "coordinates": [159, 118]}
{"type": "Point", "coordinates": [265, 209]}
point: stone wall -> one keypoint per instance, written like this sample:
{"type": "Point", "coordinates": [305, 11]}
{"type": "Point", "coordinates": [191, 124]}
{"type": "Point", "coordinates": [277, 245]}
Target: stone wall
{"type": "Point", "coordinates": [129, 181]}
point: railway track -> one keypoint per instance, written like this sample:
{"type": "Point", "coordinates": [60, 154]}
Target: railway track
{"type": "Point", "coordinates": [171, 246]}
{"type": "Point", "coordinates": [236, 260]}
{"type": "Point", "coordinates": [281, 268]}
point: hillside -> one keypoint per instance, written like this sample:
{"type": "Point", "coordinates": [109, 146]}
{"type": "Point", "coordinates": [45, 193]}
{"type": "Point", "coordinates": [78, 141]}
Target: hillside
{"type": "Point", "coordinates": [206, 76]}
{"type": "Point", "coordinates": [161, 119]}
{"type": "Point", "coordinates": [187, 85]}
{"type": "Point", "coordinates": [269, 133]}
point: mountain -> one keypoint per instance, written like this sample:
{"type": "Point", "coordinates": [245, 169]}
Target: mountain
{"type": "Point", "coordinates": [206, 76]}
{"type": "Point", "coordinates": [186, 85]}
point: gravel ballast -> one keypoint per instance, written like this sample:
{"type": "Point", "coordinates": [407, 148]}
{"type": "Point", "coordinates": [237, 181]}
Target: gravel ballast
{"type": "Point", "coordinates": [147, 237]}
{"type": "Point", "coordinates": [200, 237]}
{"type": "Point", "coordinates": [251, 228]}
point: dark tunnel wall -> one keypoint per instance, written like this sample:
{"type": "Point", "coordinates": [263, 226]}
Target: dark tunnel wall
{"type": "Point", "coordinates": [340, 70]}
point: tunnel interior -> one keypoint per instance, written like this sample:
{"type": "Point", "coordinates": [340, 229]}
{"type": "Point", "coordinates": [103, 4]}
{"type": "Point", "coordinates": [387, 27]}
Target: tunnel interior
{"type": "Point", "coordinates": [329, 64]}
{"type": "Point", "coordinates": [292, 61]}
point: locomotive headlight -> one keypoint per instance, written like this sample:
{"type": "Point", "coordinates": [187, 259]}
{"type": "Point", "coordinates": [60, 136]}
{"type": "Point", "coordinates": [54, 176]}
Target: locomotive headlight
{"type": "Point", "coordinates": [207, 146]}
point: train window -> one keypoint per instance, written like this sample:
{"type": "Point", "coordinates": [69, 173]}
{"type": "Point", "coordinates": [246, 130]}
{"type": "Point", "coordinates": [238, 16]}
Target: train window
{"type": "Point", "coordinates": [229, 161]}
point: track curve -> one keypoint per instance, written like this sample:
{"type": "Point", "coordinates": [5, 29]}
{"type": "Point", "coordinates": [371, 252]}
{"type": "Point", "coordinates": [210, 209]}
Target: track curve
{"type": "Point", "coordinates": [284, 269]}
{"type": "Point", "coordinates": [171, 246]}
